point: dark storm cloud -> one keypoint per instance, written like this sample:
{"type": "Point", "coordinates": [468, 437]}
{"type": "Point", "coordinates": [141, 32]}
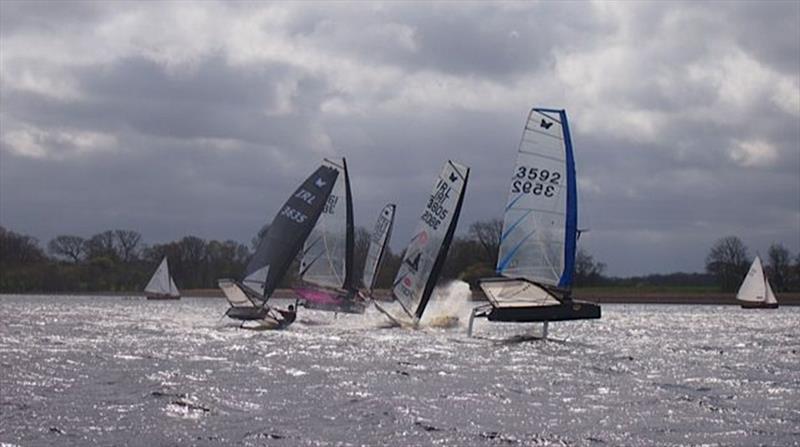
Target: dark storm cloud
{"type": "Point", "coordinates": [179, 118]}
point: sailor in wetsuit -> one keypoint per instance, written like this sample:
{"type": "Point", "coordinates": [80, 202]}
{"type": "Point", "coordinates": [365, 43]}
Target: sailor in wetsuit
{"type": "Point", "coordinates": [288, 316]}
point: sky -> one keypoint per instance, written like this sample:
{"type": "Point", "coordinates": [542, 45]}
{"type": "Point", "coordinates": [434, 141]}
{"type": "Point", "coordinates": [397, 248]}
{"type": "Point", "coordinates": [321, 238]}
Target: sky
{"type": "Point", "coordinates": [201, 118]}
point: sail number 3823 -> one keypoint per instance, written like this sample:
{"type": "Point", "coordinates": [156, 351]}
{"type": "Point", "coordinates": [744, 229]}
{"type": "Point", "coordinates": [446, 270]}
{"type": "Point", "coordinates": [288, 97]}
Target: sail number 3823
{"type": "Point", "coordinates": [535, 181]}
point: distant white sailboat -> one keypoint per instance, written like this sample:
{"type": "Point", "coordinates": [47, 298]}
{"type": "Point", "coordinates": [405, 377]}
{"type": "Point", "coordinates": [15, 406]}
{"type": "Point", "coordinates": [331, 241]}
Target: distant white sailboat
{"type": "Point", "coordinates": [540, 232]}
{"type": "Point", "coordinates": [755, 291]}
{"type": "Point", "coordinates": [161, 285]}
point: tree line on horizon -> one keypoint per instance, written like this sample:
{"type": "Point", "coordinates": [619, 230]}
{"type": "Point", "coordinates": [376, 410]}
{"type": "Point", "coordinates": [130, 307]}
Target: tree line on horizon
{"type": "Point", "coordinates": [119, 261]}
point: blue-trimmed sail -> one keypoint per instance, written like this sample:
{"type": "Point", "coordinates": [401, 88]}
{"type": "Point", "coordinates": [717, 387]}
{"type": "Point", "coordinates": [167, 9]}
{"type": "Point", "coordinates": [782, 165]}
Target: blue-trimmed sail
{"type": "Point", "coordinates": [540, 221]}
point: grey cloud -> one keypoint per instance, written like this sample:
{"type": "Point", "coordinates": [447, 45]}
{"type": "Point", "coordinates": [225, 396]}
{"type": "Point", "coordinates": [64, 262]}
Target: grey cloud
{"type": "Point", "coordinates": [211, 148]}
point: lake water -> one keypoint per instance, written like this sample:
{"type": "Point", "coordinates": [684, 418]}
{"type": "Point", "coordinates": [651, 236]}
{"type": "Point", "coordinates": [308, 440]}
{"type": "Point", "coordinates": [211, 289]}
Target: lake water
{"type": "Point", "coordinates": [126, 371]}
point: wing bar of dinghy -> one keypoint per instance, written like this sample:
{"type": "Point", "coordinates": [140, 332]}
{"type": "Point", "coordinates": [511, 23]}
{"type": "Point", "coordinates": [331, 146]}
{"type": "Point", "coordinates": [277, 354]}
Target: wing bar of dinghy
{"type": "Point", "coordinates": [538, 243]}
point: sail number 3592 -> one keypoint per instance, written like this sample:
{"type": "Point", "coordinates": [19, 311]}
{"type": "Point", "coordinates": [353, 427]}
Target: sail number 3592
{"type": "Point", "coordinates": [535, 181]}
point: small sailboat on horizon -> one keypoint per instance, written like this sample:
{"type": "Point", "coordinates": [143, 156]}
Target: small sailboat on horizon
{"type": "Point", "coordinates": [755, 291]}
{"type": "Point", "coordinates": [536, 261]}
{"type": "Point", "coordinates": [161, 285]}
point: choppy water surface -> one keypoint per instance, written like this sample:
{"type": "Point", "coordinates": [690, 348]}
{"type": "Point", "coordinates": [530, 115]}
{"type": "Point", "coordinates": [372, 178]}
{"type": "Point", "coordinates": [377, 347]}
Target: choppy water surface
{"type": "Point", "coordinates": [112, 371]}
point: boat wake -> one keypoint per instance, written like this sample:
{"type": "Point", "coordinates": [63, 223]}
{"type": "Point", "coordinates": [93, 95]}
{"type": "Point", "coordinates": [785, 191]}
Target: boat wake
{"type": "Point", "coordinates": [450, 306]}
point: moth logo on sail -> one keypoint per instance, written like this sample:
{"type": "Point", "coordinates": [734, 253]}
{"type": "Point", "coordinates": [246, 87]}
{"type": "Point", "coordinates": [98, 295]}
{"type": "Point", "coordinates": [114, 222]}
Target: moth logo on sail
{"type": "Point", "coordinates": [319, 183]}
{"type": "Point", "coordinates": [545, 124]}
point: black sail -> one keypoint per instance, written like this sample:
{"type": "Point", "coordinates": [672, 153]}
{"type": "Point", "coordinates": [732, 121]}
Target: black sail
{"type": "Point", "coordinates": [288, 231]}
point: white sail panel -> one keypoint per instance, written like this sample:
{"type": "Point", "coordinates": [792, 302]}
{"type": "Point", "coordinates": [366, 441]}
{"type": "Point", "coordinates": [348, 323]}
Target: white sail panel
{"type": "Point", "coordinates": [377, 245]}
{"type": "Point", "coordinates": [770, 299]}
{"type": "Point", "coordinates": [161, 283]}
{"type": "Point", "coordinates": [324, 253]}
{"type": "Point", "coordinates": [753, 288]}
{"type": "Point", "coordinates": [416, 270]}
{"type": "Point", "coordinates": [256, 281]}
{"type": "Point", "coordinates": [535, 224]}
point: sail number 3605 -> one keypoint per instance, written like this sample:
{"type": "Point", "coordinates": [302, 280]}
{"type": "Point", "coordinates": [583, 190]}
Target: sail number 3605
{"type": "Point", "coordinates": [535, 181]}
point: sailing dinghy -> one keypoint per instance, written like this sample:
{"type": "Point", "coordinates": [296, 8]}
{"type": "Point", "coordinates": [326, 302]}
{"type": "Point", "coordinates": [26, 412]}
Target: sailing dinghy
{"type": "Point", "coordinates": [381, 234]}
{"type": "Point", "coordinates": [327, 264]}
{"type": "Point", "coordinates": [537, 245]}
{"type": "Point", "coordinates": [161, 285]}
{"type": "Point", "coordinates": [276, 249]}
{"type": "Point", "coordinates": [755, 291]}
{"type": "Point", "coordinates": [424, 257]}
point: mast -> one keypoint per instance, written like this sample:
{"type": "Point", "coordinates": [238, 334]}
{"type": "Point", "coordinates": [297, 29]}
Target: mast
{"type": "Point", "coordinates": [349, 232]}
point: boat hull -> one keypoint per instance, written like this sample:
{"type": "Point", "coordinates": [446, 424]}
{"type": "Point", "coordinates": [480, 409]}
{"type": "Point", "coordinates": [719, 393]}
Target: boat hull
{"type": "Point", "coordinates": [247, 313]}
{"type": "Point", "coordinates": [759, 305]}
{"type": "Point", "coordinates": [163, 297]}
{"type": "Point", "coordinates": [574, 310]}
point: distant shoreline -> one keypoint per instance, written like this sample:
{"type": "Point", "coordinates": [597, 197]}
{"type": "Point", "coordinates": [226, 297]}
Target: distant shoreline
{"type": "Point", "coordinates": [597, 295]}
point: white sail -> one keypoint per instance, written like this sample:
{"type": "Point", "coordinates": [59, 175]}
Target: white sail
{"type": "Point", "coordinates": [417, 275]}
{"type": "Point", "coordinates": [324, 260]}
{"type": "Point", "coordinates": [257, 280]}
{"type": "Point", "coordinates": [377, 245]}
{"type": "Point", "coordinates": [770, 299]}
{"type": "Point", "coordinates": [161, 282]}
{"type": "Point", "coordinates": [754, 286]}
{"type": "Point", "coordinates": [540, 221]}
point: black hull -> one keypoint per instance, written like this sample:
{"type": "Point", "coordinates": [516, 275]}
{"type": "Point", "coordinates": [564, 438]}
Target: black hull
{"type": "Point", "coordinates": [247, 313]}
{"type": "Point", "coordinates": [760, 306]}
{"type": "Point", "coordinates": [162, 297]}
{"type": "Point", "coordinates": [575, 310]}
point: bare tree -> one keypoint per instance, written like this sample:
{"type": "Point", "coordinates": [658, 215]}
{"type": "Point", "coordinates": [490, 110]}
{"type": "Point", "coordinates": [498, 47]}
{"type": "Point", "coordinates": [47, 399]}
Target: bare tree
{"type": "Point", "coordinates": [70, 247]}
{"type": "Point", "coordinates": [18, 249]}
{"type": "Point", "coordinates": [779, 266]}
{"type": "Point", "coordinates": [101, 245]}
{"type": "Point", "coordinates": [488, 233]}
{"type": "Point", "coordinates": [728, 261]}
{"type": "Point", "coordinates": [127, 244]}
{"type": "Point", "coordinates": [587, 270]}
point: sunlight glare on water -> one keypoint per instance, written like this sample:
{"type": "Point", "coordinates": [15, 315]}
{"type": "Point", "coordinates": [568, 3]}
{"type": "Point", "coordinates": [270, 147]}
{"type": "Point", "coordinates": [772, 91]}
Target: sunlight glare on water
{"type": "Point", "coordinates": [95, 370]}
